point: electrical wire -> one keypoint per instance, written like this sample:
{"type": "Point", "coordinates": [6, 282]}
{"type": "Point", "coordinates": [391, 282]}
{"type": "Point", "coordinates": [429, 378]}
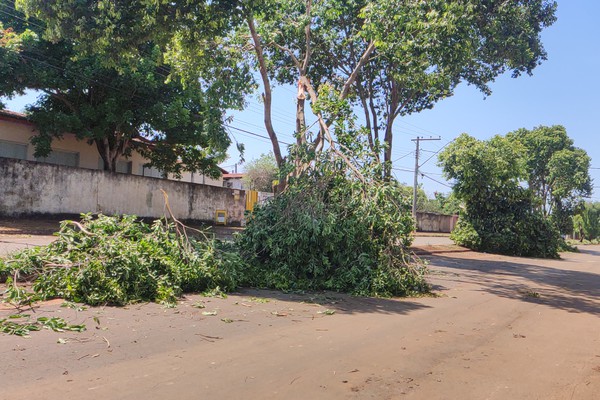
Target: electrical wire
{"type": "Point", "coordinates": [440, 149]}
{"type": "Point", "coordinates": [255, 134]}
{"type": "Point", "coordinates": [436, 181]}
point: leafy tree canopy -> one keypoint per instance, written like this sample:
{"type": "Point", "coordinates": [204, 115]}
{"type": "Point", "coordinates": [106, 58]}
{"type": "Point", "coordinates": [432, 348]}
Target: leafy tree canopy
{"type": "Point", "coordinates": [587, 221]}
{"type": "Point", "coordinates": [129, 105]}
{"type": "Point", "coordinates": [389, 58]}
{"type": "Point", "coordinates": [507, 182]}
{"type": "Point", "coordinates": [557, 171]}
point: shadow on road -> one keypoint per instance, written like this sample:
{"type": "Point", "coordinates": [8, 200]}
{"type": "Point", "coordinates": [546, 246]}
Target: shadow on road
{"type": "Point", "coordinates": [556, 284]}
{"type": "Point", "coordinates": [587, 250]}
{"type": "Point", "coordinates": [342, 303]}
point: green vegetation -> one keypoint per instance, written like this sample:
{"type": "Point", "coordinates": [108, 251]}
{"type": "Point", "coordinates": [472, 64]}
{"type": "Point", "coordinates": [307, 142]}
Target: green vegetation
{"type": "Point", "coordinates": [342, 223]}
{"type": "Point", "coordinates": [119, 107]}
{"type": "Point", "coordinates": [111, 260]}
{"type": "Point", "coordinates": [504, 215]}
{"type": "Point", "coordinates": [388, 58]}
{"type": "Point", "coordinates": [587, 222]}
{"type": "Point", "coordinates": [21, 325]}
{"type": "Point", "coordinates": [120, 260]}
{"type": "Point", "coordinates": [260, 173]}
{"type": "Point", "coordinates": [440, 204]}
{"type": "Point", "coordinates": [330, 231]}
{"type": "Point", "coordinates": [556, 172]}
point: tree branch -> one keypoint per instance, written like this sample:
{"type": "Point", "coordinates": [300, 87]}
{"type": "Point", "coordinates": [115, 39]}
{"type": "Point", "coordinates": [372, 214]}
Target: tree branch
{"type": "Point", "coordinates": [325, 131]}
{"type": "Point", "coordinates": [363, 60]}
{"type": "Point", "coordinates": [291, 54]}
{"type": "Point", "coordinates": [60, 96]}
{"type": "Point", "coordinates": [307, 37]}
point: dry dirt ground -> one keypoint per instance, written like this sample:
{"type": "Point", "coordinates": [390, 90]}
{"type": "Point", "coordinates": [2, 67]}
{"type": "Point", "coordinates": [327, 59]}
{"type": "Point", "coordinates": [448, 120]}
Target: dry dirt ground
{"type": "Point", "coordinates": [499, 328]}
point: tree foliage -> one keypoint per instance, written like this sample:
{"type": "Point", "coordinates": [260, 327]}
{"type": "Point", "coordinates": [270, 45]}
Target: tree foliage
{"type": "Point", "coordinates": [119, 260]}
{"type": "Point", "coordinates": [500, 215]}
{"type": "Point", "coordinates": [440, 204]}
{"type": "Point", "coordinates": [259, 174]}
{"type": "Point", "coordinates": [423, 50]}
{"type": "Point", "coordinates": [587, 221]}
{"type": "Point", "coordinates": [134, 103]}
{"type": "Point", "coordinates": [389, 58]}
{"type": "Point", "coordinates": [557, 172]}
{"type": "Point", "coordinates": [335, 227]}
{"type": "Point", "coordinates": [519, 191]}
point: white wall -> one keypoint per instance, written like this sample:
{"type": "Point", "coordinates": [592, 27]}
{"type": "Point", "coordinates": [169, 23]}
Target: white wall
{"type": "Point", "coordinates": [30, 188]}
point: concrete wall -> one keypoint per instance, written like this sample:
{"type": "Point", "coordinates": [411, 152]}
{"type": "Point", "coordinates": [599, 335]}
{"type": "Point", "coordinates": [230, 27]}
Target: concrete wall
{"type": "Point", "coordinates": [19, 131]}
{"type": "Point", "coordinates": [431, 222]}
{"type": "Point", "coordinates": [29, 188]}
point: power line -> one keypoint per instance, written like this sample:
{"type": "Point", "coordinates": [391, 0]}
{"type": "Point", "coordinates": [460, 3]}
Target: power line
{"type": "Point", "coordinates": [418, 127]}
{"type": "Point", "coordinates": [416, 178]}
{"type": "Point", "coordinates": [260, 127]}
{"type": "Point", "coordinates": [255, 134]}
{"type": "Point", "coordinates": [441, 148]}
{"type": "Point", "coordinates": [436, 181]}
{"type": "Point", "coordinates": [404, 156]}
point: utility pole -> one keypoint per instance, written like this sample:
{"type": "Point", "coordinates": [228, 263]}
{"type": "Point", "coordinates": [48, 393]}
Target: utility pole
{"type": "Point", "coordinates": [416, 182]}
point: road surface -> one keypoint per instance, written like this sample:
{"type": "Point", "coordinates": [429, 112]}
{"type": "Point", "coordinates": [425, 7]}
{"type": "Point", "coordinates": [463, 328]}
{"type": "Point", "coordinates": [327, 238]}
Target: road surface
{"type": "Point", "coordinates": [499, 328]}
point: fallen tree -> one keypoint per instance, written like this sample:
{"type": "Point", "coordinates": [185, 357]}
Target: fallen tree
{"type": "Point", "coordinates": [120, 260]}
{"type": "Point", "coordinates": [330, 230]}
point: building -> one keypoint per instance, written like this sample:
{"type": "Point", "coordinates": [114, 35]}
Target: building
{"type": "Point", "coordinates": [234, 181]}
{"type": "Point", "coordinates": [15, 142]}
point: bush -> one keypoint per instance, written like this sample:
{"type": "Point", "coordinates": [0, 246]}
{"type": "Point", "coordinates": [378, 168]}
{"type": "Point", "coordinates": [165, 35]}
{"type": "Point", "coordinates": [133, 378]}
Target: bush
{"type": "Point", "coordinates": [112, 260]}
{"type": "Point", "coordinates": [328, 231]}
{"type": "Point", "coordinates": [525, 234]}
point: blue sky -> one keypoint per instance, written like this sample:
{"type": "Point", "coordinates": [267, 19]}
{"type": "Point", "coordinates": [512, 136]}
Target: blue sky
{"type": "Point", "coordinates": [563, 90]}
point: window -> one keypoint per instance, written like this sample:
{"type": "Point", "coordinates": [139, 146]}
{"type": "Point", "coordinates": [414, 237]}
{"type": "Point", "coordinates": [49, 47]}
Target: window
{"type": "Point", "coordinates": [123, 166]}
{"type": "Point", "coordinates": [59, 157]}
{"type": "Point", "coordinates": [13, 150]}
{"type": "Point", "coordinates": [151, 171]}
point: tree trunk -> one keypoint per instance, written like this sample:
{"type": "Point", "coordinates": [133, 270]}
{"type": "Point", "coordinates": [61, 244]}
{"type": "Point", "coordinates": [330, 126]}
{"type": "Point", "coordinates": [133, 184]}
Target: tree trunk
{"type": "Point", "coordinates": [267, 96]}
{"type": "Point", "coordinates": [109, 155]}
{"type": "Point", "coordinates": [387, 154]}
{"type": "Point", "coordinates": [300, 114]}
{"type": "Point", "coordinates": [389, 135]}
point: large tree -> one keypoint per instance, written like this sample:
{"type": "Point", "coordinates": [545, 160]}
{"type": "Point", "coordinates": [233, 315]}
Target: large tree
{"type": "Point", "coordinates": [517, 189]}
{"type": "Point", "coordinates": [587, 221]}
{"type": "Point", "coordinates": [133, 103]}
{"type": "Point", "coordinates": [557, 171]}
{"type": "Point", "coordinates": [390, 58]}
{"type": "Point", "coordinates": [500, 214]}
{"type": "Point", "coordinates": [433, 47]}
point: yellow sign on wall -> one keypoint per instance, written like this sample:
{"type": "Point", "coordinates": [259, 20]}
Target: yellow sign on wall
{"type": "Point", "coordinates": [221, 217]}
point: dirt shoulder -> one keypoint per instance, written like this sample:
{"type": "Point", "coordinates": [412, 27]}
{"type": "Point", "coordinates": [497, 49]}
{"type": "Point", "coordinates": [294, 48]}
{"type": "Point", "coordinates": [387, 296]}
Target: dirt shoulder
{"type": "Point", "coordinates": [500, 328]}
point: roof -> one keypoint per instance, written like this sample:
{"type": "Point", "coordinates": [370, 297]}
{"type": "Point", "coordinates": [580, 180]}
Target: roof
{"type": "Point", "coordinates": [233, 176]}
{"type": "Point", "coordinates": [13, 115]}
